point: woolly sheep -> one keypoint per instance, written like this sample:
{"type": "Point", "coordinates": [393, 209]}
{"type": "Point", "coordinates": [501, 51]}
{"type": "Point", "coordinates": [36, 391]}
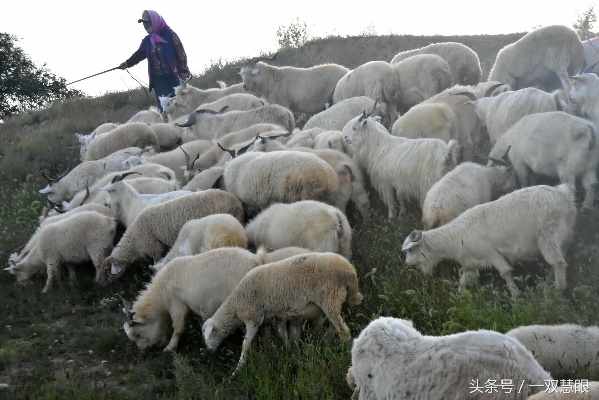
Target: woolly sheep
{"type": "Point", "coordinates": [81, 237]}
{"type": "Point", "coordinates": [377, 80]}
{"type": "Point", "coordinates": [522, 224]}
{"type": "Point", "coordinates": [585, 94]}
{"type": "Point", "coordinates": [303, 138]}
{"type": "Point", "coordinates": [390, 359]}
{"type": "Point", "coordinates": [420, 78]}
{"type": "Point", "coordinates": [463, 61]}
{"type": "Point", "coordinates": [150, 116]}
{"type": "Point", "coordinates": [333, 140]}
{"type": "Point", "coordinates": [555, 144]}
{"type": "Point", "coordinates": [531, 59]}
{"type": "Point", "coordinates": [207, 179]}
{"type": "Point", "coordinates": [564, 350]}
{"type": "Point", "coordinates": [157, 226]}
{"type": "Point", "coordinates": [285, 289]}
{"type": "Point", "coordinates": [310, 224]}
{"type": "Point", "coordinates": [206, 125]}
{"type": "Point", "coordinates": [85, 140]}
{"type": "Point", "coordinates": [235, 101]}
{"type": "Point", "coordinates": [169, 135]}
{"type": "Point", "coordinates": [577, 390]}
{"type": "Point", "coordinates": [200, 235]}
{"type": "Point", "coordinates": [462, 188]}
{"type": "Point", "coordinates": [302, 90]}
{"type": "Point", "coordinates": [188, 98]}
{"type": "Point", "coordinates": [335, 117]}
{"type": "Point", "coordinates": [135, 134]}
{"type": "Point", "coordinates": [405, 168]}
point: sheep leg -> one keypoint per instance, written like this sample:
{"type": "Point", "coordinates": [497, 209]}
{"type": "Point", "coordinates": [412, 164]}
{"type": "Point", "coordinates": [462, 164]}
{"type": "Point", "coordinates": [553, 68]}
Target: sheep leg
{"type": "Point", "coordinates": [52, 270]}
{"type": "Point", "coordinates": [550, 249]}
{"type": "Point", "coordinates": [282, 330]}
{"type": "Point", "coordinates": [521, 172]}
{"type": "Point", "coordinates": [505, 270]}
{"type": "Point", "coordinates": [469, 277]}
{"type": "Point", "coordinates": [589, 181]}
{"type": "Point", "coordinates": [333, 312]}
{"type": "Point", "coordinates": [178, 313]}
{"type": "Point", "coordinates": [389, 200]}
{"type": "Point", "coordinates": [72, 275]}
{"type": "Point", "coordinates": [251, 328]}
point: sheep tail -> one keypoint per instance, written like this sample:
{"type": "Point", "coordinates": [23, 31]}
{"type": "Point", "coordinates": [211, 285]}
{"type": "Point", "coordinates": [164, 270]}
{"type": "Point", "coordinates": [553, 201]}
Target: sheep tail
{"type": "Point", "coordinates": [567, 191]}
{"type": "Point", "coordinates": [452, 152]}
{"type": "Point", "coordinates": [593, 138]}
{"type": "Point", "coordinates": [354, 297]}
{"type": "Point", "coordinates": [262, 254]}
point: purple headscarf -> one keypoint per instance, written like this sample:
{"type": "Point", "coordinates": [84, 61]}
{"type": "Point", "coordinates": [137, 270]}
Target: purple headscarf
{"type": "Point", "coordinates": [157, 24]}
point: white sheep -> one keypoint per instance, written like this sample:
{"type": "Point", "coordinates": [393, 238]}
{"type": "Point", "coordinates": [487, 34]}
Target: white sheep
{"type": "Point", "coordinates": [420, 78]}
{"type": "Point", "coordinates": [210, 178]}
{"type": "Point", "coordinates": [465, 186]}
{"type": "Point", "coordinates": [463, 61]}
{"type": "Point", "coordinates": [302, 90]}
{"type": "Point", "coordinates": [405, 168]}
{"type": "Point", "coordinates": [499, 113]}
{"type": "Point", "coordinates": [157, 226]}
{"type": "Point", "coordinates": [390, 359]}
{"type": "Point", "coordinates": [286, 289]}
{"type": "Point", "coordinates": [377, 80]}
{"type": "Point", "coordinates": [150, 116]}
{"type": "Point", "coordinates": [85, 140]}
{"type": "Point", "coordinates": [233, 101]}
{"type": "Point", "coordinates": [333, 140]}
{"type": "Point", "coordinates": [309, 224]}
{"type": "Point", "coordinates": [200, 235]}
{"type": "Point", "coordinates": [336, 116]}
{"type": "Point", "coordinates": [260, 179]}
{"type": "Point", "coordinates": [565, 350]}
{"type": "Point", "coordinates": [533, 58]}
{"type": "Point", "coordinates": [554, 144]}
{"type": "Point", "coordinates": [303, 138]}
{"type": "Point", "coordinates": [188, 98]}
{"type": "Point", "coordinates": [533, 221]}
{"type": "Point", "coordinates": [576, 390]}
{"type": "Point", "coordinates": [169, 135]}
{"type": "Point", "coordinates": [585, 94]}
{"type": "Point", "coordinates": [136, 134]}
{"type": "Point", "coordinates": [81, 237]}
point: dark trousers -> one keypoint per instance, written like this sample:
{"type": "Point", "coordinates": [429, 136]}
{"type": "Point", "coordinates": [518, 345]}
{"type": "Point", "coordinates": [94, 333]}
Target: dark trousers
{"type": "Point", "coordinates": [164, 85]}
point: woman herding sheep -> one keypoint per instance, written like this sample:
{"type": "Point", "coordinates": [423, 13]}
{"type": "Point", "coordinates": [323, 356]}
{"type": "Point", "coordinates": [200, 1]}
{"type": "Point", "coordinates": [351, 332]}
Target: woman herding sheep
{"type": "Point", "coordinates": [167, 61]}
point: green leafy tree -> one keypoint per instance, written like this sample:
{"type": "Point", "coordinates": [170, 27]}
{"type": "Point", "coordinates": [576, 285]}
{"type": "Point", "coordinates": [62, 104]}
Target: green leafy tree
{"type": "Point", "coordinates": [293, 35]}
{"type": "Point", "coordinates": [584, 24]}
{"type": "Point", "coordinates": [23, 85]}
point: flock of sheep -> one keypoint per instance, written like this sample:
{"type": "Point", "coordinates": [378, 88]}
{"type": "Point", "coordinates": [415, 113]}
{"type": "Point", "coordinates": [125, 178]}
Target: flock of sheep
{"type": "Point", "coordinates": [226, 170]}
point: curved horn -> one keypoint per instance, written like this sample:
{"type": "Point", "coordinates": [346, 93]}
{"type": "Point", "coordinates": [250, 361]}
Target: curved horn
{"type": "Point", "coordinates": [244, 149]}
{"type": "Point", "coordinates": [490, 90]}
{"type": "Point", "coordinates": [252, 61]}
{"type": "Point", "coordinates": [231, 152]}
{"type": "Point", "coordinates": [87, 194]}
{"type": "Point", "coordinates": [470, 95]}
{"type": "Point", "coordinates": [364, 116]}
{"type": "Point", "coordinates": [183, 82]}
{"type": "Point", "coordinates": [191, 120]}
{"type": "Point", "coordinates": [222, 110]}
{"type": "Point", "coordinates": [127, 310]}
{"type": "Point", "coordinates": [59, 177]}
{"type": "Point", "coordinates": [287, 134]}
{"type": "Point", "coordinates": [120, 177]}
{"type": "Point", "coordinates": [50, 180]}
{"type": "Point", "coordinates": [187, 157]}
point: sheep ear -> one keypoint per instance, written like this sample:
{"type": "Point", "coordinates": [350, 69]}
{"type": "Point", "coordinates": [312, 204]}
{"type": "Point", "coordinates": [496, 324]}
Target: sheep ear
{"type": "Point", "coordinates": [46, 190]}
{"type": "Point", "coordinates": [208, 330]}
{"type": "Point", "coordinates": [409, 246]}
{"type": "Point", "coordinates": [254, 72]}
{"type": "Point", "coordinates": [9, 269]}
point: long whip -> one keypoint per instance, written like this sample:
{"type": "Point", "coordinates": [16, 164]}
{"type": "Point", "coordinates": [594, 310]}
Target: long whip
{"type": "Point", "coordinates": [91, 76]}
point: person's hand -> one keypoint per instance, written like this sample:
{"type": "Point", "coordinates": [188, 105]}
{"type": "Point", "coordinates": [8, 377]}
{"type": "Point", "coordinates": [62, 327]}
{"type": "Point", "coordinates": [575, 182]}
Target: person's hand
{"type": "Point", "coordinates": [123, 65]}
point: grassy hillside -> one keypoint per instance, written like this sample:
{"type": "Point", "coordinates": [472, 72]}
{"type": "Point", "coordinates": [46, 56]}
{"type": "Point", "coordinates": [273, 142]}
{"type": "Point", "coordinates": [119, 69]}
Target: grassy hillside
{"type": "Point", "coordinates": [69, 344]}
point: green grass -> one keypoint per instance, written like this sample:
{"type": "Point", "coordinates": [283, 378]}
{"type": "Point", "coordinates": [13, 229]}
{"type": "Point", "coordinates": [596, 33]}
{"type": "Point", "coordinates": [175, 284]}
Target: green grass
{"type": "Point", "coordinates": [69, 344]}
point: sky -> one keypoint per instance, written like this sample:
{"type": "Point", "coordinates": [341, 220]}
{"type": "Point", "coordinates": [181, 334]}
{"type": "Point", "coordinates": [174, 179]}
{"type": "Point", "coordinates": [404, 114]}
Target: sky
{"type": "Point", "coordinates": [75, 39]}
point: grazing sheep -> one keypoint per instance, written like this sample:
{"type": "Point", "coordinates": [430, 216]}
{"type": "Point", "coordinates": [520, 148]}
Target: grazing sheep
{"type": "Point", "coordinates": [310, 224]}
{"type": "Point", "coordinates": [207, 179]}
{"type": "Point", "coordinates": [200, 235]}
{"type": "Point", "coordinates": [377, 80]}
{"type": "Point", "coordinates": [390, 359]}
{"type": "Point", "coordinates": [335, 117]}
{"type": "Point", "coordinates": [136, 134]}
{"type": "Point", "coordinates": [465, 186]}
{"type": "Point", "coordinates": [188, 98]}
{"type": "Point", "coordinates": [260, 179]}
{"type": "Point", "coordinates": [534, 58]}
{"type": "Point", "coordinates": [286, 289]}
{"type": "Point", "coordinates": [420, 78]}
{"type": "Point", "coordinates": [522, 224]}
{"type": "Point", "coordinates": [462, 60]}
{"type": "Point", "coordinates": [585, 94]}
{"type": "Point", "coordinates": [302, 90]}
{"type": "Point", "coordinates": [81, 237]}
{"type": "Point", "coordinates": [156, 227]}
{"type": "Point", "coordinates": [169, 135]}
{"type": "Point", "coordinates": [554, 144]}
{"type": "Point", "coordinates": [564, 350]}
{"type": "Point", "coordinates": [405, 168]}
{"type": "Point", "coordinates": [235, 101]}
{"type": "Point", "coordinates": [577, 390]}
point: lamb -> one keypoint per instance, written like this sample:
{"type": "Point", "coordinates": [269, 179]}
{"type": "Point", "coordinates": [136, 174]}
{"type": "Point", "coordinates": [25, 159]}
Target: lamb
{"type": "Point", "coordinates": [522, 224]}
{"type": "Point", "coordinates": [309, 224]}
{"type": "Point", "coordinates": [200, 235]}
{"type": "Point", "coordinates": [555, 144]}
{"type": "Point", "coordinates": [406, 168]}
{"type": "Point", "coordinates": [579, 390]}
{"type": "Point", "coordinates": [135, 134]}
{"type": "Point", "coordinates": [285, 289]}
{"type": "Point", "coordinates": [499, 113]}
{"type": "Point", "coordinates": [157, 226]}
{"type": "Point", "coordinates": [301, 90]}
{"type": "Point", "coordinates": [564, 350]}
{"type": "Point", "coordinates": [260, 179]}
{"type": "Point", "coordinates": [531, 59]}
{"type": "Point", "coordinates": [465, 186]}
{"type": "Point", "coordinates": [462, 60]}
{"type": "Point", "coordinates": [126, 202]}
{"type": "Point", "coordinates": [81, 237]}
{"type": "Point", "coordinates": [207, 125]}
{"type": "Point", "coordinates": [377, 80]}
{"type": "Point", "coordinates": [585, 94]}
{"type": "Point", "coordinates": [335, 117]}
{"type": "Point", "coordinates": [420, 78]}
{"type": "Point", "coordinates": [390, 359]}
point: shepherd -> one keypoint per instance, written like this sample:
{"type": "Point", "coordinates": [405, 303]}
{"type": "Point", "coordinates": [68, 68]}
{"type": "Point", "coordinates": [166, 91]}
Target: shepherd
{"type": "Point", "coordinates": [167, 61]}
